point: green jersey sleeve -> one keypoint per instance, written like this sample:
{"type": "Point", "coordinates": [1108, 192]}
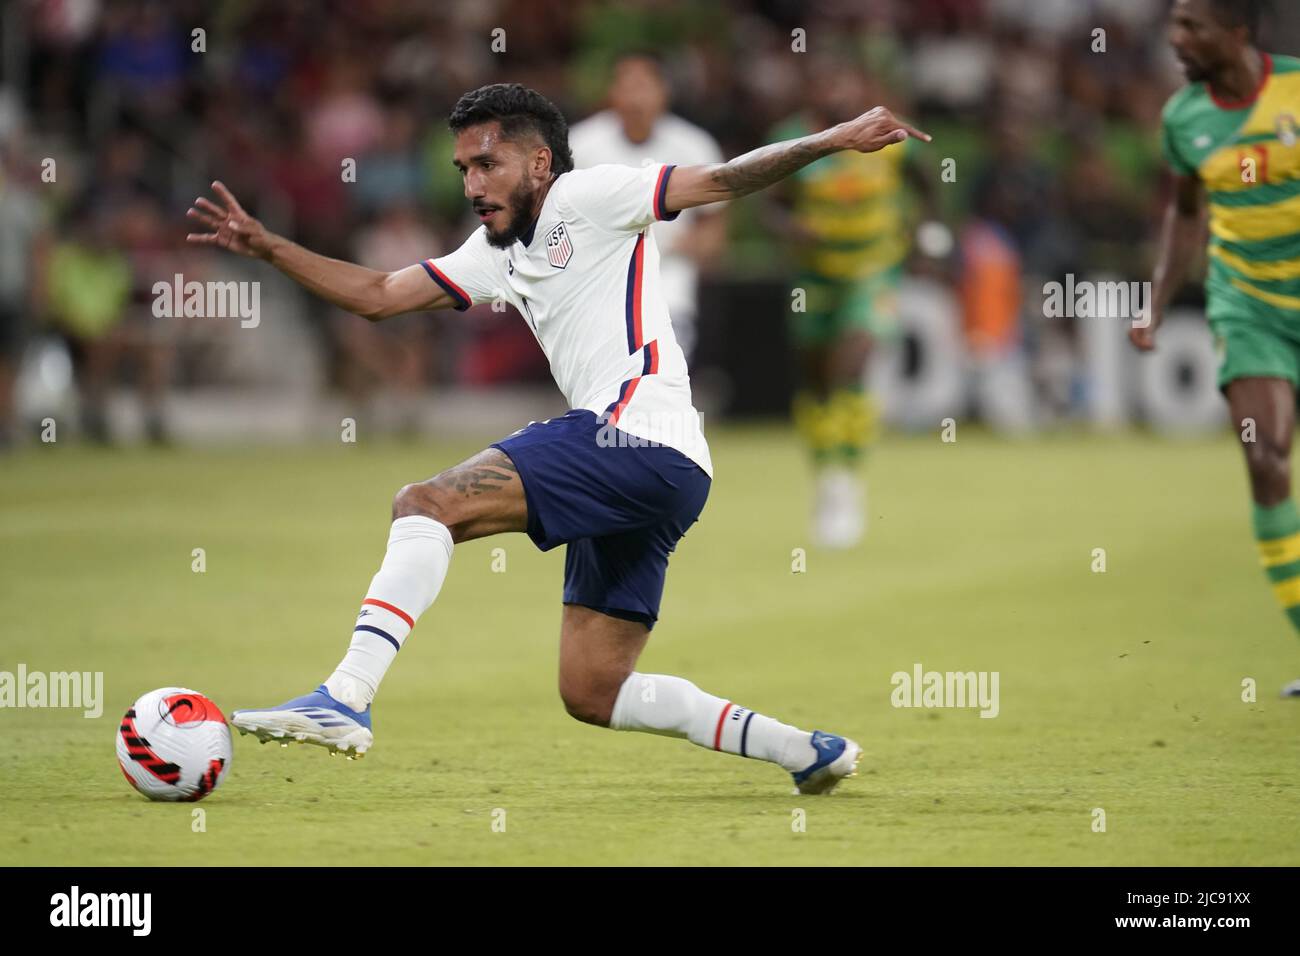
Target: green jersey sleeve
{"type": "Point", "coordinates": [1169, 139]}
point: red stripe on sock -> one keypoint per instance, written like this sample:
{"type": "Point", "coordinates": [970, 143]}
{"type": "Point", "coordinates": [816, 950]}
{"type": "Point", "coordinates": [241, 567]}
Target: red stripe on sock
{"type": "Point", "coordinates": [717, 736]}
{"type": "Point", "coordinates": [388, 607]}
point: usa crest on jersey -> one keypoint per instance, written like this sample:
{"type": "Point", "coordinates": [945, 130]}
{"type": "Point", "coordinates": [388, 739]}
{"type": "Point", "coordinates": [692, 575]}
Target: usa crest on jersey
{"type": "Point", "coordinates": [559, 248]}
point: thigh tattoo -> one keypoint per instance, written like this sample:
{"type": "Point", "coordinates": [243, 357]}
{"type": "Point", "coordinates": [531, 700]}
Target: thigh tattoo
{"type": "Point", "coordinates": [489, 472]}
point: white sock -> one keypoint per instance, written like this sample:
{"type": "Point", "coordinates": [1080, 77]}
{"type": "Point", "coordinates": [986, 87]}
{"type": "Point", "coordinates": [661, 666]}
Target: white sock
{"type": "Point", "coordinates": [419, 553]}
{"type": "Point", "coordinates": [674, 707]}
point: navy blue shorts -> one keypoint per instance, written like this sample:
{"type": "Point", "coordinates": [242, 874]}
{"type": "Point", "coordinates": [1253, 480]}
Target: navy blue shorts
{"type": "Point", "coordinates": [621, 507]}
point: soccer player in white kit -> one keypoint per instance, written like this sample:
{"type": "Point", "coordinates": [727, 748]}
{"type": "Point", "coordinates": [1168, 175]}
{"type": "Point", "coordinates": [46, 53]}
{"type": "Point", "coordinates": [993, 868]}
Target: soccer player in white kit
{"type": "Point", "coordinates": [638, 130]}
{"type": "Point", "coordinates": [618, 479]}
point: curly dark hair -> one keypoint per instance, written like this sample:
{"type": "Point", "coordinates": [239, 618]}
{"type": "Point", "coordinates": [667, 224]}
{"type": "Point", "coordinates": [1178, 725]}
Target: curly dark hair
{"type": "Point", "coordinates": [1242, 13]}
{"type": "Point", "coordinates": [520, 111]}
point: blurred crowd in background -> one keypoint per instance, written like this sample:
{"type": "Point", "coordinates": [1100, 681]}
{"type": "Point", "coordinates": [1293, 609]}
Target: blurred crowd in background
{"type": "Point", "coordinates": [1056, 153]}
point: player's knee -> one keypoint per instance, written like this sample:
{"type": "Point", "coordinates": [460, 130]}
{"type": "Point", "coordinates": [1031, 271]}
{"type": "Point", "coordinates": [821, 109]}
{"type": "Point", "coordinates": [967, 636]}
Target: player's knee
{"type": "Point", "coordinates": [1270, 471]}
{"type": "Point", "coordinates": [587, 701]}
{"type": "Point", "coordinates": [424, 498]}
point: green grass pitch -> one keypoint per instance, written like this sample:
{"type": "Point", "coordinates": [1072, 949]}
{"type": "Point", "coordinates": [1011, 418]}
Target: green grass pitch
{"type": "Point", "coordinates": [1119, 690]}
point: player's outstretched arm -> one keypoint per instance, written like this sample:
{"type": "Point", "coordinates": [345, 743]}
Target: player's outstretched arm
{"type": "Point", "coordinates": [1179, 240]}
{"type": "Point", "coordinates": [717, 182]}
{"type": "Point", "coordinates": [369, 293]}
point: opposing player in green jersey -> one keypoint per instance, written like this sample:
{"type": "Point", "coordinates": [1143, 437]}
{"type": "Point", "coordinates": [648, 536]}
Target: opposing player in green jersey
{"type": "Point", "coordinates": [1231, 139]}
{"type": "Point", "coordinates": [846, 219]}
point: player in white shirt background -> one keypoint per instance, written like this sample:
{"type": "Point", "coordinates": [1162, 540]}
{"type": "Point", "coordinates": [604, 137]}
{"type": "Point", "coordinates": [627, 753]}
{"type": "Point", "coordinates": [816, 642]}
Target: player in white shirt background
{"type": "Point", "coordinates": [618, 479]}
{"type": "Point", "coordinates": [636, 130]}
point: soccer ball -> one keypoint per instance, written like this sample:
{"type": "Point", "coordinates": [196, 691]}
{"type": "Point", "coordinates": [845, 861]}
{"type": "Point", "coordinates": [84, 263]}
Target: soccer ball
{"type": "Point", "coordinates": [174, 745]}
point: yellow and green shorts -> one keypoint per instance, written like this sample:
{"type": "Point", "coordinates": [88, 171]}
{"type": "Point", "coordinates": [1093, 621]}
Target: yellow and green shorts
{"type": "Point", "coordinates": [833, 308]}
{"type": "Point", "coordinates": [1252, 349]}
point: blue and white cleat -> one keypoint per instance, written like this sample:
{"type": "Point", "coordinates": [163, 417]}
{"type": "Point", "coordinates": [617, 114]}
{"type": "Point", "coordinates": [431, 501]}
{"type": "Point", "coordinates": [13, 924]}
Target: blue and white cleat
{"type": "Point", "coordinates": [1292, 689]}
{"type": "Point", "coordinates": [316, 718]}
{"type": "Point", "coordinates": [837, 758]}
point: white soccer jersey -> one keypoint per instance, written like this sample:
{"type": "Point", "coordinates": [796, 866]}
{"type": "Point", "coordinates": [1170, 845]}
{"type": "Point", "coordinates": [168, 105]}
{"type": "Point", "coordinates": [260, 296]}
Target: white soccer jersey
{"type": "Point", "coordinates": [600, 139]}
{"type": "Point", "coordinates": [586, 279]}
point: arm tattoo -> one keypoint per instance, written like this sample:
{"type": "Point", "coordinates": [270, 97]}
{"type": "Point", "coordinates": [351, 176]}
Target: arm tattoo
{"type": "Point", "coordinates": [767, 164]}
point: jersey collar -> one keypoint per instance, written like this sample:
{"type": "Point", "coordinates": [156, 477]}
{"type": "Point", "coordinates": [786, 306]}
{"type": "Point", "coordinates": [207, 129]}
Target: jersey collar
{"type": "Point", "coordinates": [527, 237]}
{"type": "Point", "coordinates": [1249, 101]}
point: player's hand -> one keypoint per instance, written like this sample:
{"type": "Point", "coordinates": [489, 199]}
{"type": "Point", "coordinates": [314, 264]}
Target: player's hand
{"type": "Point", "coordinates": [875, 129]}
{"type": "Point", "coordinates": [232, 228]}
{"type": "Point", "coordinates": [1144, 337]}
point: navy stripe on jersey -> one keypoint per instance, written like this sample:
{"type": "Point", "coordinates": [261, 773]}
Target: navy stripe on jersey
{"type": "Point", "coordinates": [631, 307]}
{"type": "Point", "coordinates": [661, 193]}
{"type": "Point", "coordinates": [622, 393]}
{"type": "Point", "coordinates": [635, 331]}
{"type": "Point", "coordinates": [459, 297]}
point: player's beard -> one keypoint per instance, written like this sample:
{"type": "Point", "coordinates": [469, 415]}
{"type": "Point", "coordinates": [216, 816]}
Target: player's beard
{"type": "Point", "coordinates": [1206, 69]}
{"type": "Point", "coordinates": [1196, 72]}
{"type": "Point", "coordinates": [519, 209]}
